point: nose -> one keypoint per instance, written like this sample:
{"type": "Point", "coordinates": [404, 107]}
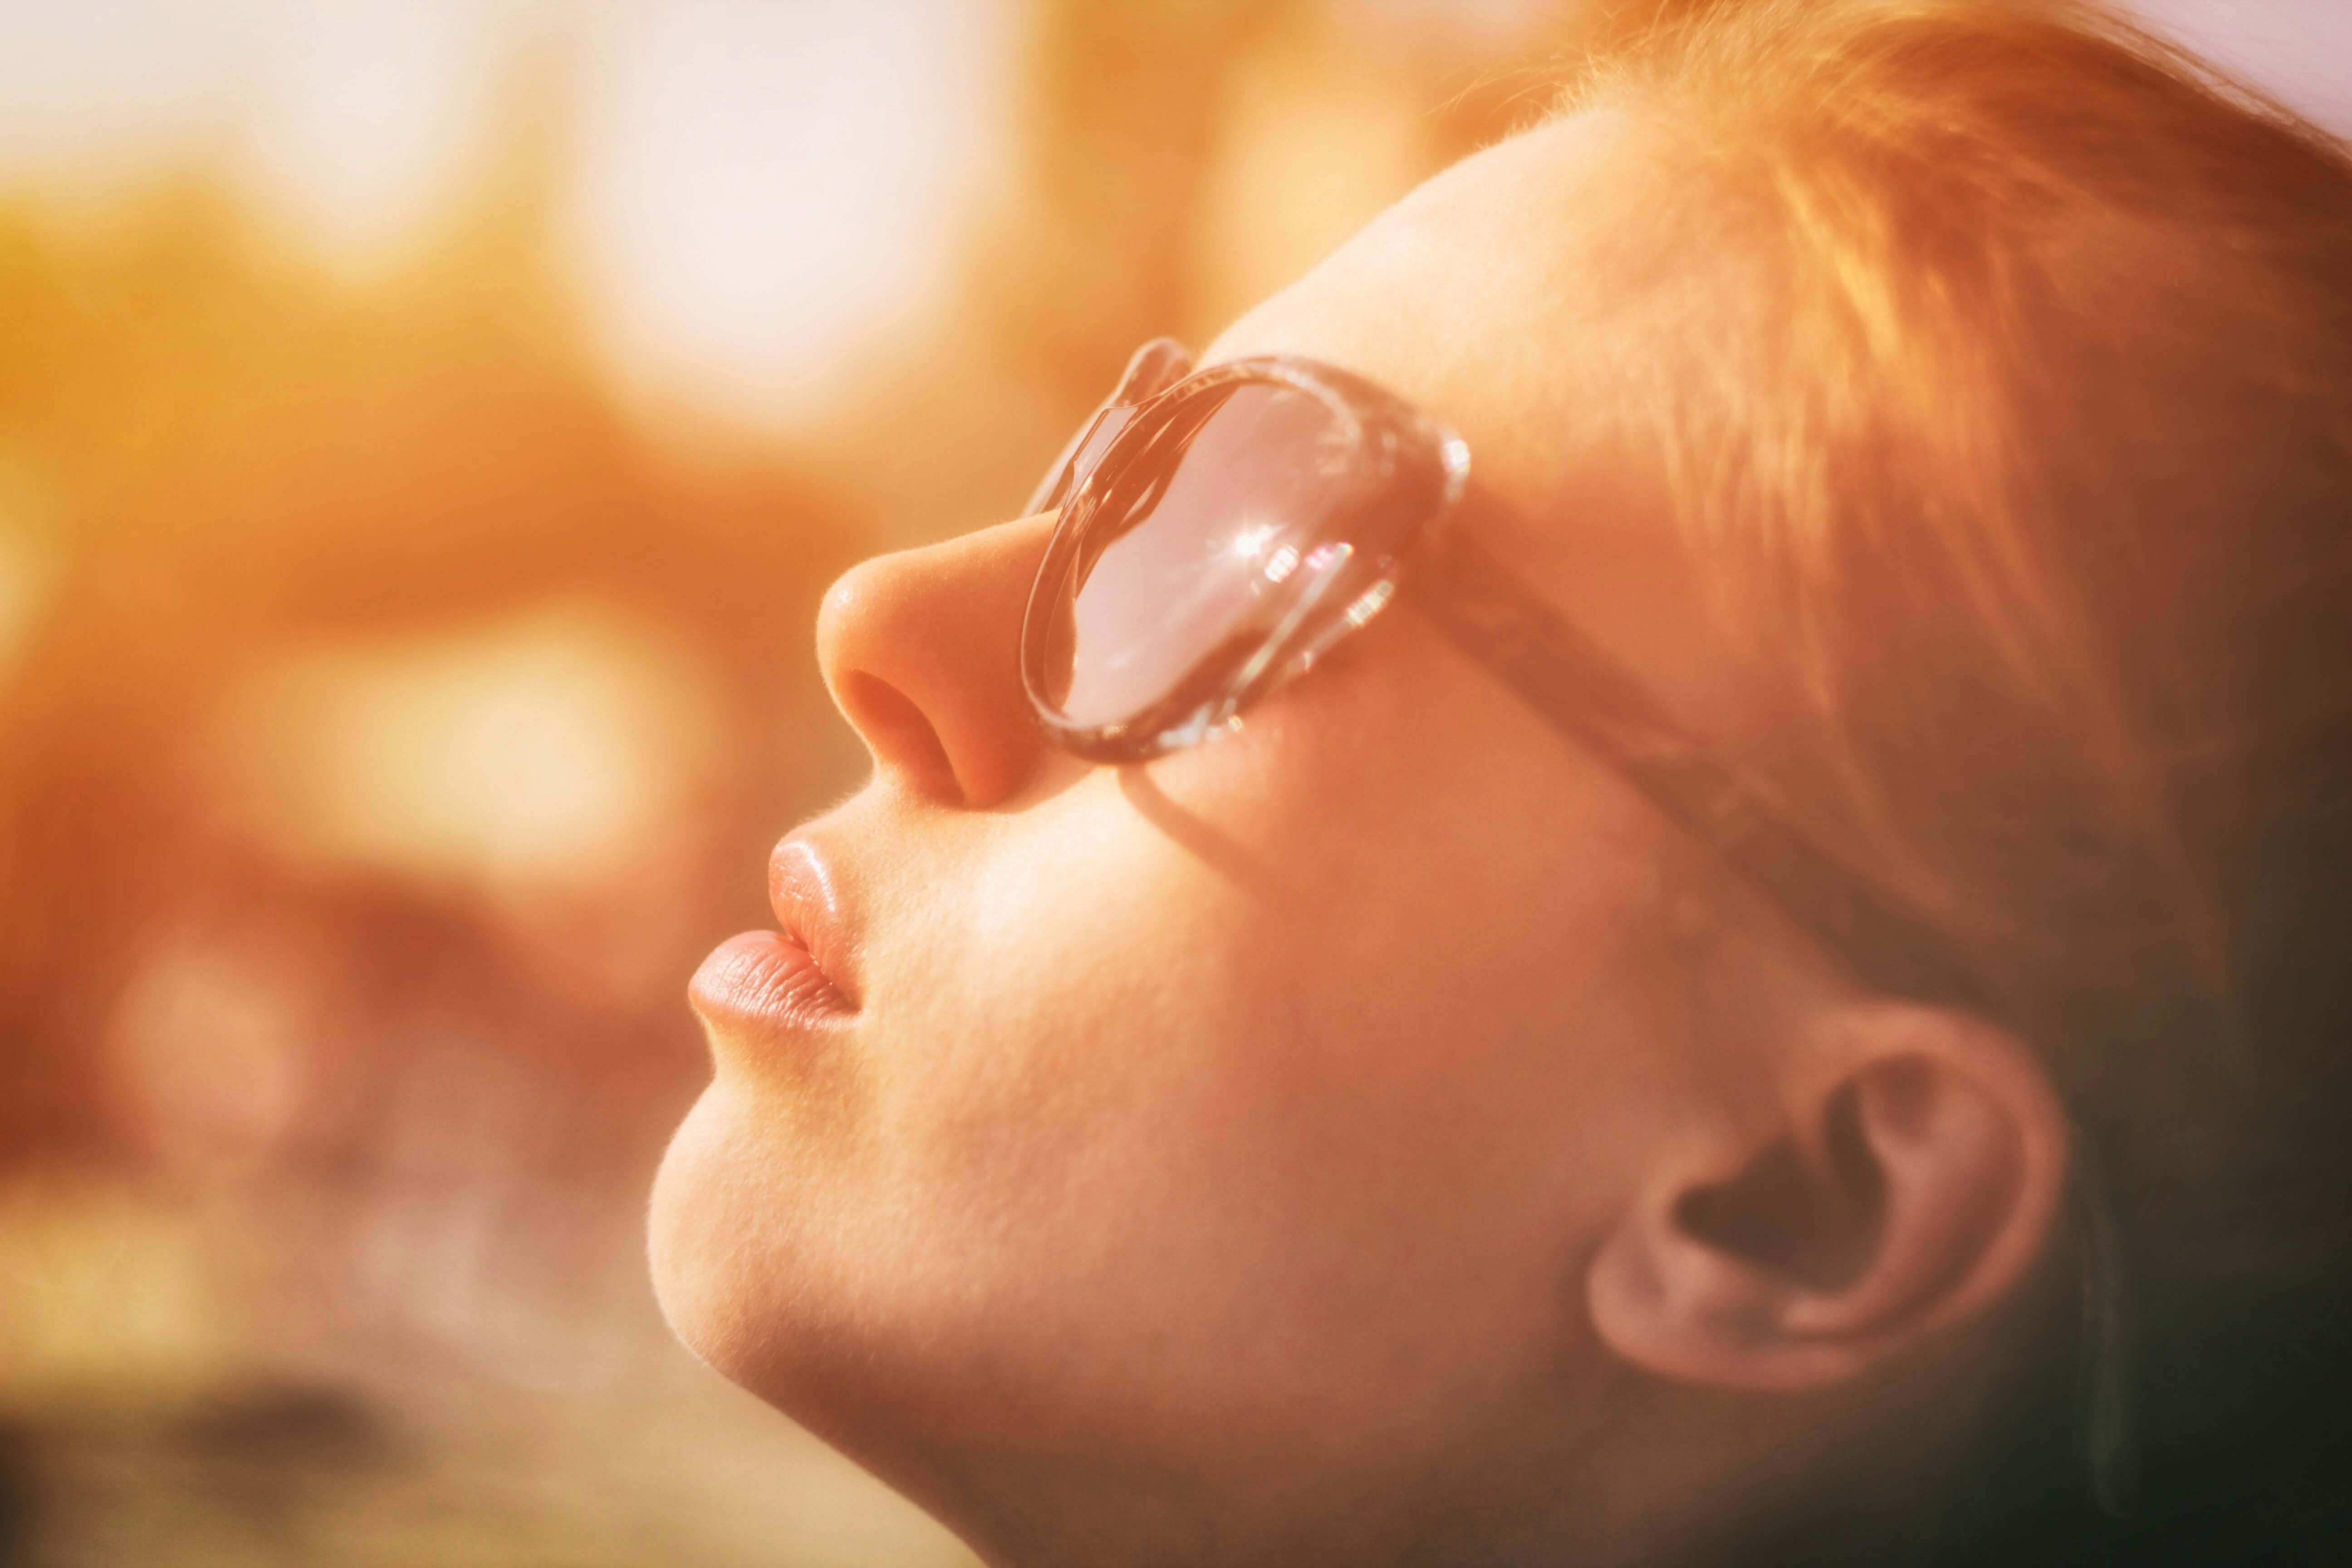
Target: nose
{"type": "Point", "coordinates": [922, 651]}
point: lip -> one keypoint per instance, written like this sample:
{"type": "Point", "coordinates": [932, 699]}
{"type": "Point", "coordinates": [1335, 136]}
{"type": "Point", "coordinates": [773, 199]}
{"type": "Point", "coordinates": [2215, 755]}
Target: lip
{"type": "Point", "coordinates": [789, 980]}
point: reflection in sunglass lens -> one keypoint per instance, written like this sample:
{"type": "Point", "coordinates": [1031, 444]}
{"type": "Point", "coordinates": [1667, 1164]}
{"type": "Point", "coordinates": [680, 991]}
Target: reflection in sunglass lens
{"type": "Point", "coordinates": [1203, 537]}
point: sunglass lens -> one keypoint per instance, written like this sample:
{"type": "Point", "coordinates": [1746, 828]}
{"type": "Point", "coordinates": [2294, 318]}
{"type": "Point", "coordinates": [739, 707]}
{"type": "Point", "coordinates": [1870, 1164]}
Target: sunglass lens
{"type": "Point", "coordinates": [1204, 536]}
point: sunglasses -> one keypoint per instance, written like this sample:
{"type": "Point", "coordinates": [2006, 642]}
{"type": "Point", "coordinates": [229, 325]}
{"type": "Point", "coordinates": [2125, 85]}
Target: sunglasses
{"type": "Point", "coordinates": [1218, 531]}
{"type": "Point", "coordinates": [1221, 530]}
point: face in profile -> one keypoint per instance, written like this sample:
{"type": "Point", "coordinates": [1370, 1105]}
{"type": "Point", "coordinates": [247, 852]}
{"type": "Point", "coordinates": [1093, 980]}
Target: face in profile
{"type": "Point", "coordinates": [1377, 1125]}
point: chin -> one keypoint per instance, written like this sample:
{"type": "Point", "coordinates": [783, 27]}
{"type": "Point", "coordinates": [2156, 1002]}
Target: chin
{"type": "Point", "coordinates": [703, 1241]}
{"type": "Point", "coordinates": [735, 1242]}
{"type": "Point", "coordinates": [744, 1279]}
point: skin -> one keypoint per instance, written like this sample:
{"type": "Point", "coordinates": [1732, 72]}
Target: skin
{"type": "Point", "coordinates": [1281, 1151]}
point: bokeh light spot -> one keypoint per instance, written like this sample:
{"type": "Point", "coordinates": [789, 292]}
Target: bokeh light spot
{"type": "Point", "coordinates": [768, 192]}
{"type": "Point", "coordinates": [539, 752]}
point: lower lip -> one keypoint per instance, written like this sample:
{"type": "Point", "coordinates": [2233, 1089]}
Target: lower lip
{"type": "Point", "coordinates": [764, 980]}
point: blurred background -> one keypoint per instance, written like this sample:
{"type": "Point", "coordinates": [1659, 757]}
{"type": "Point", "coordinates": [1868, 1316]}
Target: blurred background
{"type": "Point", "coordinates": [426, 429]}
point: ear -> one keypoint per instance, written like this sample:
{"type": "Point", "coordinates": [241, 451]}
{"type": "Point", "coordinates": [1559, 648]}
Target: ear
{"type": "Point", "coordinates": [1909, 1177]}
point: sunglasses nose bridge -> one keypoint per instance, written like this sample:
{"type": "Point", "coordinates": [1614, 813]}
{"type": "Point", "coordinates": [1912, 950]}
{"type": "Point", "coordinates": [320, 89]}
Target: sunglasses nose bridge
{"type": "Point", "coordinates": [1151, 371]}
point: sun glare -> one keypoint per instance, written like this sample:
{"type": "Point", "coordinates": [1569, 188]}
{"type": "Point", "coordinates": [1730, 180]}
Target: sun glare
{"type": "Point", "coordinates": [766, 194]}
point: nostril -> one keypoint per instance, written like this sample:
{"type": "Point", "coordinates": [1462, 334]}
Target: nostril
{"type": "Point", "coordinates": [899, 736]}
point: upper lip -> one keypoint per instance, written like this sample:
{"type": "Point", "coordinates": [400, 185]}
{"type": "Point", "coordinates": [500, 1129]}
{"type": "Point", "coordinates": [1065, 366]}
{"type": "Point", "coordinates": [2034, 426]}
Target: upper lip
{"type": "Point", "coordinates": [804, 891]}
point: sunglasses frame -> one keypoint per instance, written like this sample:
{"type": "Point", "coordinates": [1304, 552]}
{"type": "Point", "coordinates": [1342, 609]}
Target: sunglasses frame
{"type": "Point", "coordinates": [1485, 611]}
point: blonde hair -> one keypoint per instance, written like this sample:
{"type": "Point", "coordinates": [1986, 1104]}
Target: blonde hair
{"type": "Point", "coordinates": [2009, 412]}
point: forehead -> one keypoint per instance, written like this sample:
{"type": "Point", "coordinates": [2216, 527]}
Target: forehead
{"type": "Point", "coordinates": [1521, 295]}
{"type": "Point", "coordinates": [1479, 297]}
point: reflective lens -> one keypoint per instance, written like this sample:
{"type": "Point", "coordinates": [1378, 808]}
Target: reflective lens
{"type": "Point", "coordinates": [1201, 545]}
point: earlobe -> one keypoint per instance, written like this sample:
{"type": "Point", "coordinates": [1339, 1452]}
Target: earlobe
{"type": "Point", "coordinates": [1912, 1175]}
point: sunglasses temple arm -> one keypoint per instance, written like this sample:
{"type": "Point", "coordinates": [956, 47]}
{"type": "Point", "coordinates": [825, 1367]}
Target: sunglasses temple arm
{"type": "Point", "coordinates": [1565, 676]}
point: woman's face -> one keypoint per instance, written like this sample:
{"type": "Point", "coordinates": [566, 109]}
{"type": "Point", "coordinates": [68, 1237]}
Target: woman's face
{"type": "Point", "coordinates": [1243, 1119]}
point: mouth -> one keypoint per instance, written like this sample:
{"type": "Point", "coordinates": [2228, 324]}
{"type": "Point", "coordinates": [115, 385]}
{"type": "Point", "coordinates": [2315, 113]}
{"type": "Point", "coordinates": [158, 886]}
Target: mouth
{"type": "Point", "coordinates": [786, 981]}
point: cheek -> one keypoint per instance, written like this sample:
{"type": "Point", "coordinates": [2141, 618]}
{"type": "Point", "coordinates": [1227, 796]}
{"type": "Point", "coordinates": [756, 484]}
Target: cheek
{"type": "Point", "coordinates": [1250, 1049]}
{"type": "Point", "coordinates": [768, 1254]}
{"type": "Point", "coordinates": [1068, 997]}
{"type": "Point", "coordinates": [1478, 1021]}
